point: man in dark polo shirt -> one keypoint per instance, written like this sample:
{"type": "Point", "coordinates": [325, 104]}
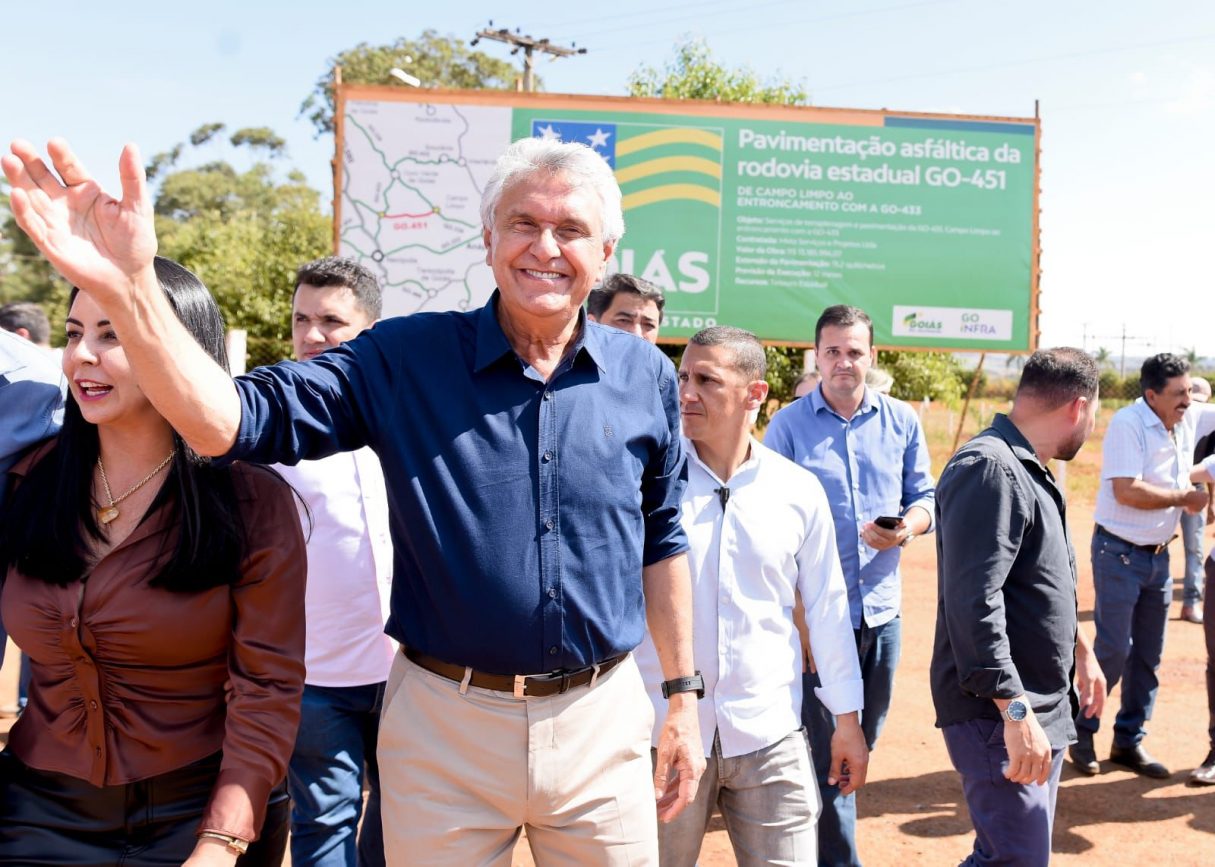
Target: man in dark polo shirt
{"type": "Point", "coordinates": [1003, 664]}
{"type": "Point", "coordinates": [534, 474]}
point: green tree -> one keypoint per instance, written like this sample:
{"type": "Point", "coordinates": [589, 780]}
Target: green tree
{"type": "Point", "coordinates": [694, 73]}
{"type": "Point", "coordinates": [25, 275]}
{"type": "Point", "coordinates": [244, 232]}
{"type": "Point", "coordinates": [934, 375]}
{"type": "Point", "coordinates": [1102, 357]}
{"type": "Point", "coordinates": [439, 61]}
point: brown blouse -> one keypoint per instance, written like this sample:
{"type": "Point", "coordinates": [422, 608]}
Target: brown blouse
{"type": "Point", "coordinates": [128, 679]}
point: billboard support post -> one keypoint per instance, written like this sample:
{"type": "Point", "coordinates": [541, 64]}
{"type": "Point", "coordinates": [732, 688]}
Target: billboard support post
{"type": "Point", "coordinates": [970, 393]}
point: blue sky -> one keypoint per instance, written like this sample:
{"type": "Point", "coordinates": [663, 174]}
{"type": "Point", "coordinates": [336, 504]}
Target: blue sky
{"type": "Point", "coordinates": [1127, 100]}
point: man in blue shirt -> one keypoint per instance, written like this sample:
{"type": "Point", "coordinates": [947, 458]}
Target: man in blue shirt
{"type": "Point", "coordinates": [31, 398]}
{"type": "Point", "coordinates": [869, 452]}
{"type": "Point", "coordinates": [534, 476]}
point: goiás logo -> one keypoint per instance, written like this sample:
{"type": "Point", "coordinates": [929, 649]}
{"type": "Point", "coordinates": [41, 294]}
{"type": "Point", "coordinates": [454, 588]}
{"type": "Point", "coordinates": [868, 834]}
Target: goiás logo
{"type": "Point", "coordinates": [915, 323]}
{"type": "Point", "coordinates": [965, 323]}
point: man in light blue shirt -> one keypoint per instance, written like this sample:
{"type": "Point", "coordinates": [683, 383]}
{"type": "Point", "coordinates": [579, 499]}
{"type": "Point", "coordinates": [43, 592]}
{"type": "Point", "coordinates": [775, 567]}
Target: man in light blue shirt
{"type": "Point", "coordinates": [869, 452]}
{"type": "Point", "coordinates": [31, 406]}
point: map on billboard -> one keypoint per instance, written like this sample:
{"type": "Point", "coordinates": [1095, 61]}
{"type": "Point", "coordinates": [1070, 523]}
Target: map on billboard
{"type": "Point", "coordinates": [752, 216]}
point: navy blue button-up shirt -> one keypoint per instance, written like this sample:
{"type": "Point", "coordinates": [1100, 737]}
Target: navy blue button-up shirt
{"type": "Point", "coordinates": [521, 511]}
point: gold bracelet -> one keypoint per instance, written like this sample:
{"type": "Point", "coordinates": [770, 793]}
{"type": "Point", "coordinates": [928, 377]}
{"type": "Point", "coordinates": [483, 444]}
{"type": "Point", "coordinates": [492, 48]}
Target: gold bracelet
{"type": "Point", "coordinates": [235, 845]}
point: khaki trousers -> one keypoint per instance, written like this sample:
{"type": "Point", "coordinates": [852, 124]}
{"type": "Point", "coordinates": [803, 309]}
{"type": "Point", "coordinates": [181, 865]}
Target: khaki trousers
{"type": "Point", "coordinates": [461, 774]}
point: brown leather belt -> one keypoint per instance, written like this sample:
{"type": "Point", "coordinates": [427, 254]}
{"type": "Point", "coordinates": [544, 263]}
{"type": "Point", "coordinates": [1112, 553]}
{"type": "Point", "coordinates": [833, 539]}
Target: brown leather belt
{"type": "Point", "coordinates": [521, 685]}
{"type": "Point", "coordinates": [1154, 550]}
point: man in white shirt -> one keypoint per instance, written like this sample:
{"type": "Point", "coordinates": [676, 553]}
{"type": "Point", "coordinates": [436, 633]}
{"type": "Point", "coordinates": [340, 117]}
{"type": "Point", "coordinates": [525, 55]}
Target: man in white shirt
{"type": "Point", "coordinates": [349, 578]}
{"type": "Point", "coordinates": [1146, 484]}
{"type": "Point", "coordinates": [760, 530]}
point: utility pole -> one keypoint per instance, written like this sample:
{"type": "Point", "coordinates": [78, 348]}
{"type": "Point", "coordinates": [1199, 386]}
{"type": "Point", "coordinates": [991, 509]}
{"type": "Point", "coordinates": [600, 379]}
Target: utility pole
{"type": "Point", "coordinates": [529, 46]}
{"type": "Point", "coordinates": [1123, 370]}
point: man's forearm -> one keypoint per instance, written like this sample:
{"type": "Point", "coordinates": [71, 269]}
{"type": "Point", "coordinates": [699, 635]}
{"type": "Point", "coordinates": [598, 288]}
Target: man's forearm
{"type": "Point", "coordinates": [194, 394]}
{"type": "Point", "coordinates": [918, 520]}
{"type": "Point", "coordinates": [1139, 494]}
{"type": "Point", "coordinates": [668, 609]}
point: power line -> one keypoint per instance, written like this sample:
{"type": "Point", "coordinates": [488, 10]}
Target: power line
{"type": "Point", "coordinates": [1025, 61]}
{"type": "Point", "coordinates": [529, 47]}
{"type": "Point", "coordinates": [783, 24]}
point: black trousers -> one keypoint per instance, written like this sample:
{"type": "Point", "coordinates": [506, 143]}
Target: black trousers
{"type": "Point", "coordinates": [54, 819]}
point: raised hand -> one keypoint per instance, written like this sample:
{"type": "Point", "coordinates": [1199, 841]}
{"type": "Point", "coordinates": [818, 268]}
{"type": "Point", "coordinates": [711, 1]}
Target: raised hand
{"type": "Point", "coordinates": [98, 243]}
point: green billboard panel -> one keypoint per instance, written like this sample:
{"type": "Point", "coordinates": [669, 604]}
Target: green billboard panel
{"type": "Point", "coordinates": [757, 217]}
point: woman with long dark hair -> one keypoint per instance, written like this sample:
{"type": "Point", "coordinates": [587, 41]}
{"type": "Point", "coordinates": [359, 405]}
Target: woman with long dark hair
{"type": "Point", "coordinates": [139, 579]}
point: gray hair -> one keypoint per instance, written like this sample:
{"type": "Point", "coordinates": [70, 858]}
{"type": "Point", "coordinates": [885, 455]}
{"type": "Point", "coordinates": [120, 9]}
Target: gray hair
{"type": "Point", "coordinates": [528, 156]}
{"type": "Point", "coordinates": [749, 357]}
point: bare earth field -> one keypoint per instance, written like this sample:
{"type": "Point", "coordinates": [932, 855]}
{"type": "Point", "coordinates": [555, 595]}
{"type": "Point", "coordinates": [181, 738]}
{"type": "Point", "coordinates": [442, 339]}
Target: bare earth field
{"type": "Point", "coordinates": [912, 812]}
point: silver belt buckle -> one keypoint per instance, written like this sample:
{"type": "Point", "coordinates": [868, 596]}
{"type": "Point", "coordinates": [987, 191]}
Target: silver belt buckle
{"type": "Point", "coordinates": [520, 686]}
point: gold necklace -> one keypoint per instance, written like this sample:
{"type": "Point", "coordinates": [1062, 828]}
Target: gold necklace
{"type": "Point", "coordinates": [108, 513]}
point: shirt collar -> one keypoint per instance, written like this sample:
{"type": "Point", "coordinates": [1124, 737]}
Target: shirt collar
{"type": "Point", "coordinates": [750, 464]}
{"type": "Point", "coordinates": [1016, 440]}
{"type": "Point", "coordinates": [1147, 416]}
{"type": "Point", "coordinates": [492, 343]}
{"type": "Point", "coordinates": [818, 403]}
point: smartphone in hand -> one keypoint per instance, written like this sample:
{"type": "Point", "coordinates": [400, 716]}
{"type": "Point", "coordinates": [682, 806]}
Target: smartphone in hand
{"type": "Point", "coordinates": [888, 522]}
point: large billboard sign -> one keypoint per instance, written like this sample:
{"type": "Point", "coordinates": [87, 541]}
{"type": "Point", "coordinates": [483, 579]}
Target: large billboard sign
{"type": "Point", "coordinates": [754, 216]}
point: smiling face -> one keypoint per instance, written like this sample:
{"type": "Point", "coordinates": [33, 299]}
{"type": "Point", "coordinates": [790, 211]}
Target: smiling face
{"type": "Point", "coordinates": [546, 246]}
{"type": "Point", "coordinates": [1171, 402]}
{"type": "Point", "coordinates": [97, 371]}
{"type": "Point", "coordinates": [323, 317]}
{"type": "Point", "coordinates": [844, 355]}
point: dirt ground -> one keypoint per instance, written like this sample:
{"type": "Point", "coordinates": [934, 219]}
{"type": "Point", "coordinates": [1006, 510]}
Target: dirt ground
{"type": "Point", "coordinates": [912, 812]}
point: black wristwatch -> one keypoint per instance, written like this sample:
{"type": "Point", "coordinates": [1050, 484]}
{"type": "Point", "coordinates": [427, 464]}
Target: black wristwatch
{"type": "Point", "coordinates": [695, 684]}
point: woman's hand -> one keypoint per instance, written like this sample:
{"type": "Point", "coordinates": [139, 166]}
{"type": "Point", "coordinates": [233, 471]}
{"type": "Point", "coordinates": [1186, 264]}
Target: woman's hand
{"type": "Point", "coordinates": [209, 852]}
{"type": "Point", "coordinates": [98, 243]}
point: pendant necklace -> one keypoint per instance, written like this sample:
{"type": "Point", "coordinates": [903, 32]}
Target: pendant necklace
{"type": "Point", "coordinates": [106, 514]}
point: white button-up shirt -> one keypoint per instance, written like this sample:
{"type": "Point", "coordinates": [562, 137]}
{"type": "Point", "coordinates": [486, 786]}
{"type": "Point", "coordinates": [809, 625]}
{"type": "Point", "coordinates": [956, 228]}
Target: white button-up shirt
{"type": "Point", "coordinates": [773, 536]}
{"type": "Point", "coordinates": [349, 567]}
{"type": "Point", "coordinates": [1137, 446]}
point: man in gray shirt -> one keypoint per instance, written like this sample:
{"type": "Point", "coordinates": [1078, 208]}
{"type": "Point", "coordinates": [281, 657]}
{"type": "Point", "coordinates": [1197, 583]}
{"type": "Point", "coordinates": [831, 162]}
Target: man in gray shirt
{"type": "Point", "coordinates": [1007, 642]}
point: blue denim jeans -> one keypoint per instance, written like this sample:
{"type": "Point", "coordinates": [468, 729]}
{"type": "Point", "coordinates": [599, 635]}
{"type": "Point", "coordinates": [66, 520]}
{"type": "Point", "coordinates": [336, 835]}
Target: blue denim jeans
{"type": "Point", "coordinates": [878, 649]}
{"type": "Point", "coordinates": [1013, 822]}
{"type": "Point", "coordinates": [335, 748]}
{"type": "Point", "coordinates": [1133, 592]}
{"type": "Point", "coordinates": [1191, 534]}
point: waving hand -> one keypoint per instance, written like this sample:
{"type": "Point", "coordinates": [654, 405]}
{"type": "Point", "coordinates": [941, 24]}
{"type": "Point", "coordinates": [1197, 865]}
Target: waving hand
{"type": "Point", "coordinates": [98, 243]}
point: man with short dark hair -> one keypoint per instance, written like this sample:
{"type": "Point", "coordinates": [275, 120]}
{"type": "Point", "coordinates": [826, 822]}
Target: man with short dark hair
{"type": "Point", "coordinates": [870, 454]}
{"type": "Point", "coordinates": [1007, 639]}
{"type": "Point", "coordinates": [759, 530]}
{"type": "Point", "coordinates": [1147, 476]}
{"type": "Point", "coordinates": [349, 580]}
{"type": "Point", "coordinates": [27, 319]}
{"type": "Point", "coordinates": [629, 303]}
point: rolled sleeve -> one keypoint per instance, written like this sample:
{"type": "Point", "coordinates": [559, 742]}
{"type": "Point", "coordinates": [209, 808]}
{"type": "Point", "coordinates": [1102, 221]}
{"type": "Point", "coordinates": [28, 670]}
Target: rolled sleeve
{"type": "Point", "coordinates": [918, 487]}
{"type": "Point", "coordinates": [295, 411]}
{"type": "Point", "coordinates": [820, 580]}
{"type": "Point", "coordinates": [973, 569]}
{"type": "Point", "coordinates": [664, 480]}
{"type": "Point", "coordinates": [266, 663]}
